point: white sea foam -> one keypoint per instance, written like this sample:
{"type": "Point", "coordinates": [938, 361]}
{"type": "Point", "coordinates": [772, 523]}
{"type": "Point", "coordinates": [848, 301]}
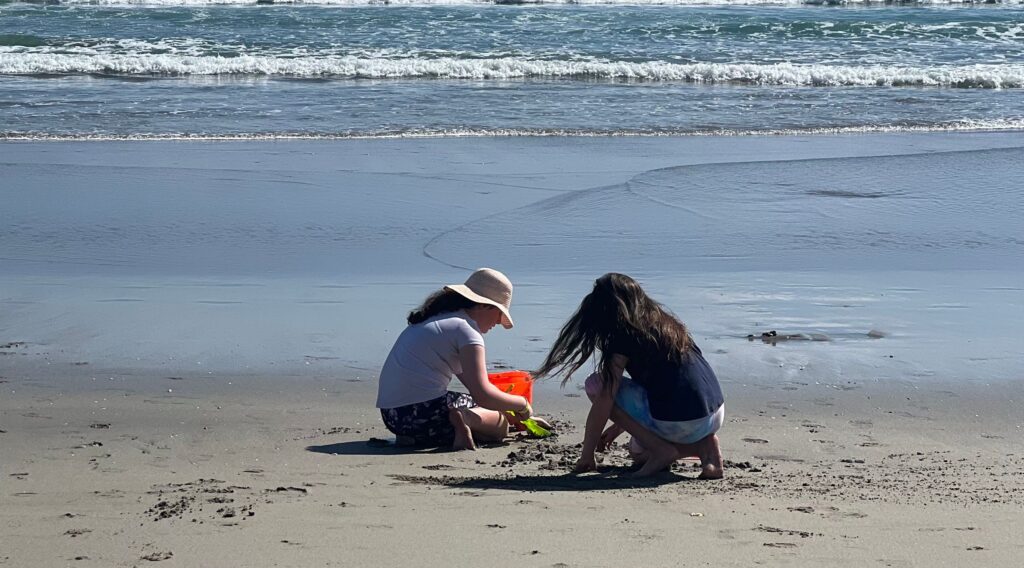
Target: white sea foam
{"type": "Point", "coordinates": [1009, 125]}
{"type": "Point", "coordinates": [517, 2]}
{"type": "Point", "coordinates": [1007, 76]}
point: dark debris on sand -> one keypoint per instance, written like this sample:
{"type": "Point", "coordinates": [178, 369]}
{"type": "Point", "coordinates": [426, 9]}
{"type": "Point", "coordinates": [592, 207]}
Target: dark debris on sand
{"type": "Point", "coordinates": [548, 455]}
{"type": "Point", "coordinates": [176, 500]}
{"type": "Point", "coordinates": [157, 556]}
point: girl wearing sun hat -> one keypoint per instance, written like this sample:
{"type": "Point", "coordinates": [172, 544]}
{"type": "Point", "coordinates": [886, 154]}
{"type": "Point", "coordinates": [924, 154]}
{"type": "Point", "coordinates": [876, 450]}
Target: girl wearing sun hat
{"type": "Point", "coordinates": [444, 338]}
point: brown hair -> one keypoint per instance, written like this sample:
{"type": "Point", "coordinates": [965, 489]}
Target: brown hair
{"type": "Point", "coordinates": [617, 307]}
{"type": "Point", "coordinates": [439, 302]}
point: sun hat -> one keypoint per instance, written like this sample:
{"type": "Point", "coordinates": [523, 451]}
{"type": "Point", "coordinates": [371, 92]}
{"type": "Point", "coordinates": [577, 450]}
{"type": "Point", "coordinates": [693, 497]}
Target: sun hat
{"type": "Point", "coordinates": [488, 286]}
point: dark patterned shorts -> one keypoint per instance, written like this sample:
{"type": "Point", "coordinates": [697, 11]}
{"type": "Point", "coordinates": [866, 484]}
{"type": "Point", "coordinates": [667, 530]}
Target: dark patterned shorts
{"type": "Point", "coordinates": [427, 422]}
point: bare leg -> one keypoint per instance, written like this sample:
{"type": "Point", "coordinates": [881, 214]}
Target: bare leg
{"type": "Point", "coordinates": [653, 452]}
{"type": "Point", "coordinates": [486, 425]}
{"type": "Point", "coordinates": [646, 447]}
{"type": "Point", "coordinates": [463, 435]}
{"type": "Point", "coordinates": [660, 453]}
{"type": "Point", "coordinates": [637, 452]}
{"type": "Point", "coordinates": [710, 458]}
{"type": "Point", "coordinates": [655, 460]}
{"type": "Point", "coordinates": [709, 453]}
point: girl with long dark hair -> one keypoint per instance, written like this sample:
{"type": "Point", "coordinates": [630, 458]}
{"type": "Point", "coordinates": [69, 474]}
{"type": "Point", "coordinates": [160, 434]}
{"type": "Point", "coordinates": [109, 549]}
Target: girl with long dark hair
{"type": "Point", "coordinates": [671, 402]}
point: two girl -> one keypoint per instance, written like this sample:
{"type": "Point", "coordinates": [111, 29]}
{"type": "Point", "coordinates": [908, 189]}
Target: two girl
{"type": "Point", "coordinates": [671, 402]}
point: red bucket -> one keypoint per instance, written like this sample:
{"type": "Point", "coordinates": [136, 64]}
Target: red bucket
{"type": "Point", "coordinates": [513, 382]}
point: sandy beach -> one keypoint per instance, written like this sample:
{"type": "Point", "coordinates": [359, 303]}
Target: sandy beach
{"type": "Point", "coordinates": [126, 470]}
{"type": "Point", "coordinates": [190, 336]}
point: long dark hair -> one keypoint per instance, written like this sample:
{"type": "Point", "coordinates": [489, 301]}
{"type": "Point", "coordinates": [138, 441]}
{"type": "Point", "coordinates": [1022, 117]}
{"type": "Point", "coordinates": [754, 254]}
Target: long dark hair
{"type": "Point", "coordinates": [439, 302]}
{"type": "Point", "coordinates": [616, 307]}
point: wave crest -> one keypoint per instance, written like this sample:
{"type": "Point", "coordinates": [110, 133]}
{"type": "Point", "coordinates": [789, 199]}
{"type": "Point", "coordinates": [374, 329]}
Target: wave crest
{"type": "Point", "coordinates": [347, 67]}
{"type": "Point", "coordinates": [1003, 125]}
{"type": "Point", "coordinates": [513, 2]}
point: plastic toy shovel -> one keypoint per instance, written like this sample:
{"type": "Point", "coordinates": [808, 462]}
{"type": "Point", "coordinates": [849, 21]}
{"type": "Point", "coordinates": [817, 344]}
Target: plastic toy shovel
{"type": "Point", "coordinates": [536, 429]}
{"type": "Point", "coordinates": [533, 428]}
{"type": "Point", "coordinates": [530, 424]}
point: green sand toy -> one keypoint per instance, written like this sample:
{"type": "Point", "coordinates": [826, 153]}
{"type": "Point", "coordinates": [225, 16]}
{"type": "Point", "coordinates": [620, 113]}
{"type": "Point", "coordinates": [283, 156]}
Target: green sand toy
{"type": "Point", "coordinates": [534, 428]}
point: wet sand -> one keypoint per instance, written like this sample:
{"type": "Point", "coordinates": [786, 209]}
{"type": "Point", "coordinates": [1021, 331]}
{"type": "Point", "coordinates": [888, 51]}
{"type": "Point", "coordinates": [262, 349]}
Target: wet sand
{"type": "Point", "coordinates": [190, 335]}
{"type": "Point", "coordinates": [129, 469]}
{"type": "Point", "coordinates": [290, 257]}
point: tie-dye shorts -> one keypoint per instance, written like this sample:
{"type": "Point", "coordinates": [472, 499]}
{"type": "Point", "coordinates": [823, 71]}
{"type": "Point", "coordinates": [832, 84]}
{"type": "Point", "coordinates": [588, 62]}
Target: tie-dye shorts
{"type": "Point", "coordinates": [426, 422]}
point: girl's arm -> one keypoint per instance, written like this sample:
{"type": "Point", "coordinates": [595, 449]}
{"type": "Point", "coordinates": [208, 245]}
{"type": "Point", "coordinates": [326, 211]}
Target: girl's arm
{"type": "Point", "coordinates": [600, 413]}
{"type": "Point", "coordinates": [474, 377]}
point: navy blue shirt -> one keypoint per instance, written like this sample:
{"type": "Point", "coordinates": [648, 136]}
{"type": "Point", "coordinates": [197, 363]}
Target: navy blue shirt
{"type": "Point", "coordinates": [676, 392]}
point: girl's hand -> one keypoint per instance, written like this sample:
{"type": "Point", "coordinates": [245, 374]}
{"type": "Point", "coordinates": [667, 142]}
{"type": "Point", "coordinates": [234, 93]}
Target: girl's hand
{"type": "Point", "coordinates": [585, 463]}
{"type": "Point", "coordinates": [608, 436]}
{"type": "Point", "coordinates": [524, 413]}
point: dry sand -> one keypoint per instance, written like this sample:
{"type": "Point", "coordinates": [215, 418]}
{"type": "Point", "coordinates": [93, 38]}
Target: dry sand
{"type": "Point", "coordinates": [120, 469]}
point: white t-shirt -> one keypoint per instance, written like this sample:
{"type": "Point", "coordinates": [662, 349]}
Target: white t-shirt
{"type": "Point", "coordinates": [424, 359]}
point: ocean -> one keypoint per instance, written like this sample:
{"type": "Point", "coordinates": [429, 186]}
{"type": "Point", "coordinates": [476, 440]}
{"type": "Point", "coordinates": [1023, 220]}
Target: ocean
{"type": "Point", "coordinates": [208, 69]}
{"type": "Point", "coordinates": [214, 188]}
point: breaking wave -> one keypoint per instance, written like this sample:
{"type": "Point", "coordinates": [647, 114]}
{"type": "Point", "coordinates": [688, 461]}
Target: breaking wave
{"type": "Point", "coordinates": [513, 2]}
{"type": "Point", "coordinates": [957, 126]}
{"type": "Point", "coordinates": [1009, 76]}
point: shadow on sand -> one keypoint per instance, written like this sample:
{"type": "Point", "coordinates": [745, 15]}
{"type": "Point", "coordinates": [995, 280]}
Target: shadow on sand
{"type": "Point", "coordinates": [373, 447]}
{"type": "Point", "coordinates": [384, 447]}
{"type": "Point", "coordinates": [609, 478]}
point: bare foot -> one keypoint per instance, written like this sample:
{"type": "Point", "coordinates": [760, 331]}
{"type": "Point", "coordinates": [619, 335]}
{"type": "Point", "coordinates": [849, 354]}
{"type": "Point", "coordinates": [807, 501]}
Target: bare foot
{"type": "Point", "coordinates": [639, 460]}
{"type": "Point", "coordinates": [711, 459]}
{"type": "Point", "coordinates": [463, 435]}
{"type": "Point", "coordinates": [638, 453]}
{"type": "Point", "coordinates": [636, 450]}
{"type": "Point", "coordinates": [657, 461]}
{"type": "Point", "coordinates": [709, 471]}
